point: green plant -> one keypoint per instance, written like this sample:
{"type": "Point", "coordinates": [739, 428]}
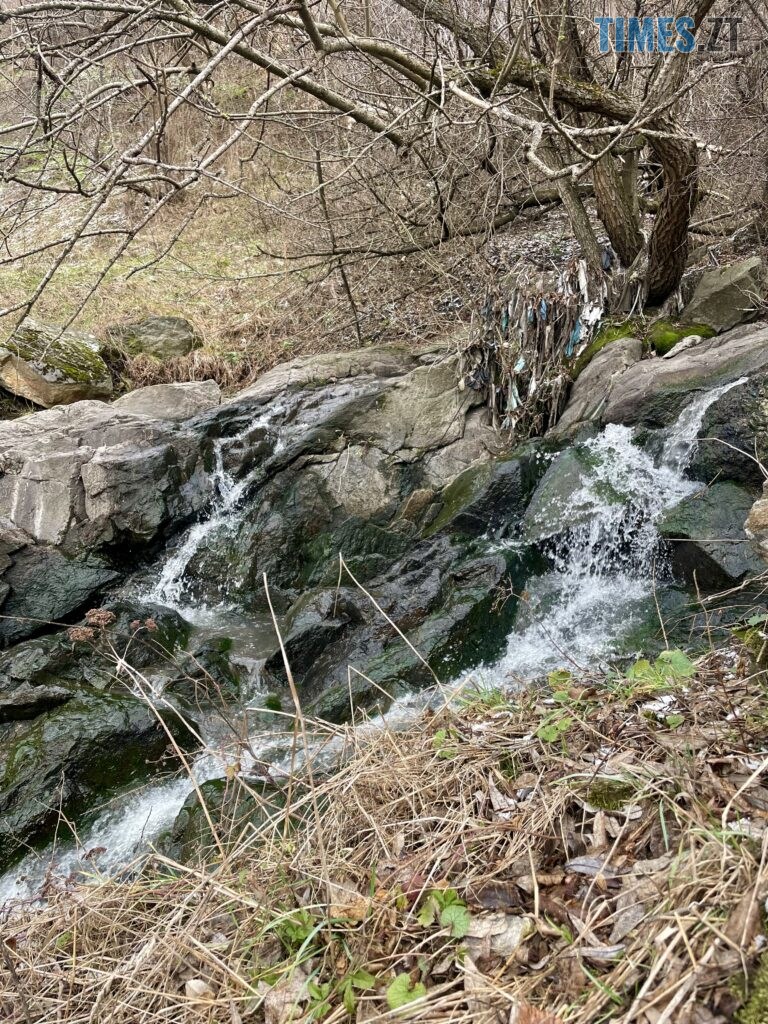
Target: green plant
{"type": "Point", "coordinates": [670, 669]}
{"type": "Point", "coordinates": [444, 743]}
{"type": "Point", "coordinates": [484, 698]}
{"type": "Point", "coordinates": [557, 722]}
{"type": "Point", "coordinates": [401, 992]}
{"type": "Point", "coordinates": [447, 907]}
{"type": "Point", "coordinates": [359, 981]}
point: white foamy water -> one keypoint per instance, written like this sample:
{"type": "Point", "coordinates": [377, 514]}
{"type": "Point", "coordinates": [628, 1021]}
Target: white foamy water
{"type": "Point", "coordinates": [123, 833]}
{"type": "Point", "coordinates": [606, 567]}
{"type": "Point", "coordinates": [225, 514]}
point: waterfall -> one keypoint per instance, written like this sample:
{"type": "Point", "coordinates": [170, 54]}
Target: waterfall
{"type": "Point", "coordinates": [605, 568]}
{"type": "Point", "coordinates": [224, 515]}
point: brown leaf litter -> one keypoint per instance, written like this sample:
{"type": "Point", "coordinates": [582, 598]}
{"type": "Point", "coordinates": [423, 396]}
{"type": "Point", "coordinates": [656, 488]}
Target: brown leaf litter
{"type": "Point", "coordinates": [618, 874]}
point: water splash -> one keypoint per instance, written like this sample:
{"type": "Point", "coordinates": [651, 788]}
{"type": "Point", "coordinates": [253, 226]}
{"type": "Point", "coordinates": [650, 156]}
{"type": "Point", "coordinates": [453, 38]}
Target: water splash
{"type": "Point", "coordinates": [681, 443]}
{"type": "Point", "coordinates": [605, 567]}
{"type": "Point", "coordinates": [171, 586]}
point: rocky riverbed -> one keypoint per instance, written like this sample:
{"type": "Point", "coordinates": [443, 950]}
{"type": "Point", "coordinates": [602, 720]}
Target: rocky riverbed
{"type": "Point", "coordinates": [363, 497]}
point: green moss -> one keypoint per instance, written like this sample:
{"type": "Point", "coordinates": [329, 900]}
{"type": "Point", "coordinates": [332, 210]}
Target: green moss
{"type": "Point", "coordinates": [664, 334]}
{"type": "Point", "coordinates": [59, 355]}
{"type": "Point", "coordinates": [756, 1009]}
{"type": "Point", "coordinates": [272, 702]}
{"type": "Point", "coordinates": [610, 330]}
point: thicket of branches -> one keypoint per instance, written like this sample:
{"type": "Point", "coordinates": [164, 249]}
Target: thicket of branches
{"type": "Point", "coordinates": [372, 133]}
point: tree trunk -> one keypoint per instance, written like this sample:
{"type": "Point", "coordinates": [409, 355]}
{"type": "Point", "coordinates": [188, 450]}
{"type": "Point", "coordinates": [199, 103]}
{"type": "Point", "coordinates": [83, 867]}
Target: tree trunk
{"type": "Point", "coordinates": [668, 249]}
{"type": "Point", "coordinates": [616, 209]}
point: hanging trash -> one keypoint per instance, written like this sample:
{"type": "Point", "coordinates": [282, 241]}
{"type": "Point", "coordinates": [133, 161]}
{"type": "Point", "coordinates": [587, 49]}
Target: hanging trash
{"type": "Point", "coordinates": [526, 344]}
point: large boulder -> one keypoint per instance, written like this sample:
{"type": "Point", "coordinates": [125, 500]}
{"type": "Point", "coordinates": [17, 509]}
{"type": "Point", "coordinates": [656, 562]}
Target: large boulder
{"type": "Point", "coordinates": [356, 465]}
{"type": "Point", "coordinates": [591, 389]}
{"type": "Point", "coordinates": [705, 535]}
{"type": "Point", "coordinates": [160, 336]}
{"type": "Point", "coordinates": [49, 365]}
{"type": "Point", "coordinates": [337, 454]}
{"type": "Point", "coordinates": [78, 482]}
{"type": "Point", "coordinates": [653, 392]}
{"type": "Point", "coordinates": [176, 402]}
{"type": "Point", "coordinates": [728, 296]}
{"type": "Point", "coordinates": [59, 762]}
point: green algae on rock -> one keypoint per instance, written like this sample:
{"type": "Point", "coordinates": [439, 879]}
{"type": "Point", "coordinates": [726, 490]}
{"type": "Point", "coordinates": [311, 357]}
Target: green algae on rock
{"type": "Point", "coordinates": [50, 365]}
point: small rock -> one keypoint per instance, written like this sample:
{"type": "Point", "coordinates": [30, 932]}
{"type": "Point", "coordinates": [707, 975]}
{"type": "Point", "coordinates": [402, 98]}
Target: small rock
{"type": "Point", "coordinates": [158, 336]}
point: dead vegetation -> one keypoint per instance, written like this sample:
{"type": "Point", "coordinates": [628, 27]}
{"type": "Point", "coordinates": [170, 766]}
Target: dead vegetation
{"type": "Point", "coordinates": [591, 852]}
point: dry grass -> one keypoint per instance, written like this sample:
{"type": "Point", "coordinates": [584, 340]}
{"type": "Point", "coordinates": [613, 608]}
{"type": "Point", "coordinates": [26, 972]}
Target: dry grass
{"type": "Point", "coordinates": [616, 873]}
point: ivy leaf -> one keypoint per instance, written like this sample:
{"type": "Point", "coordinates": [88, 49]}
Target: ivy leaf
{"type": "Point", "coordinates": [455, 917]}
{"type": "Point", "coordinates": [400, 992]}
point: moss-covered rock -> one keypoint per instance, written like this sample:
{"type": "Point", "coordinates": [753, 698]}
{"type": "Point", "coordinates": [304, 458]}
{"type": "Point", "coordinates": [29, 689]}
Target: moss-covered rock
{"type": "Point", "coordinates": [51, 366]}
{"type": "Point", "coordinates": [160, 336]}
{"type": "Point", "coordinates": [664, 334]}
{"type": "Point", "coordinates": [609, 330]}
{"type": "Point", "coordinates": [62, 760]}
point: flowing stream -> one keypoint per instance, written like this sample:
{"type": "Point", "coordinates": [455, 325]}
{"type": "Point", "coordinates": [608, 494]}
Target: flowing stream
{"type": "Point", "coordinates": [605, 566]}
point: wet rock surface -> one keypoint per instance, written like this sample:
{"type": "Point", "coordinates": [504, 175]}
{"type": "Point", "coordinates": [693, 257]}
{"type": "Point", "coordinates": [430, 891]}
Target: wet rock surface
{"type": "Point", "coordinates": [705, 534]}
{"type": "Point", "coordinates": [369, 492]}
{"type": "Point", "coordinates": [63, 759]}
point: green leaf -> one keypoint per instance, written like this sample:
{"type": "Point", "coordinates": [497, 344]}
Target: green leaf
{"type": "Point", "coordinates": [350, 1003]}
{"type": "Point", "coordinates": [560, 677]}
{"type": "Point", "coordinates": [455, 917]}
{"type": "Point", "coordinates": [641, 670]}
{"type": "Point", "coordinates": [426, 916]}
{"type": "Point", "coordinates": [757, 620]}
{"type": "Point", "coordinates": [676, 663]}
{"type": "Point", "coordinates": [400, 992]}
{"type": "Point", "coordinates": [674, 721]}
{"type": "Point", "coordinates": [363, 979]}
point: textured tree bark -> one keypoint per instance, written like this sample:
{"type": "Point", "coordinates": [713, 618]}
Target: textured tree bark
{"type": "Point", "coordinates": [668, 250]}
{"type": "Point", "coordinates": [616, 209]}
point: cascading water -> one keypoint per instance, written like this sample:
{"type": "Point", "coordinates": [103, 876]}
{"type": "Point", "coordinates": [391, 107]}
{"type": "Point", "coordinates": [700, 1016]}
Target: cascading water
{"type": "Point", "coordinates": [605, 567]}
{"type": "Point", "coordinates": [171, 585]}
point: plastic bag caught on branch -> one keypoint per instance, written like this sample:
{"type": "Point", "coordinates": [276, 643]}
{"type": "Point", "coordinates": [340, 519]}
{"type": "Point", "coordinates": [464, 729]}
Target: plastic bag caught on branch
{"type": "Point", "coordinates": [524, 346]}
